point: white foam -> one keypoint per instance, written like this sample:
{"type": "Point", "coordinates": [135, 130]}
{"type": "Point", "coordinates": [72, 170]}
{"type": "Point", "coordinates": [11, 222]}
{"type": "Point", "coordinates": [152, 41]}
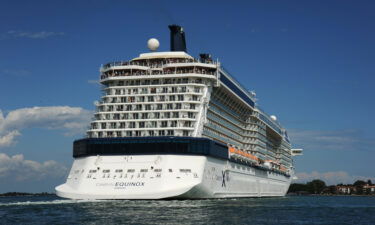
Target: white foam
{"type": "Point", "coordinates": [53, 202]}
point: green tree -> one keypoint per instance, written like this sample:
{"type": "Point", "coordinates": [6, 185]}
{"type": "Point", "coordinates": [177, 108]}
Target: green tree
{"type": "Point", "coordinates": [296, 187]}
{"type": "Point", "coordinates": [359, 183]}
{"type": "Point", "coordinates": [369, 182]}
{"type": "Point", "coordinates": [359, 186]}
{"type": "Point", "coordinates": [316, 186]}
{"type": "Point", "coordinates": [332, 189]}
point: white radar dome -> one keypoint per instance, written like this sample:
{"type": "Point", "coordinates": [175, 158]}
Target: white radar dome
{"type": "Point", "coordinates": [273, 117]}
{"type": "Point", "coordinates": [153, 44]}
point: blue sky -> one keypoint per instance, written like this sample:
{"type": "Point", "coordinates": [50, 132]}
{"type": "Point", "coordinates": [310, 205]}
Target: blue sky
{"type": "Point", "coordinates": [311, 64]}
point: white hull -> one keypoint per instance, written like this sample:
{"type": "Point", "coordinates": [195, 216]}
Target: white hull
{"type": "Point", "coordinates": [168, 176]}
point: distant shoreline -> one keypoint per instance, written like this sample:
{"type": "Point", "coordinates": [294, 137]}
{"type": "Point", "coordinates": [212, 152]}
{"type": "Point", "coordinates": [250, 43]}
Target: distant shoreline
{"type": "Point", "coordinates": [347, 195]}
{"type": "Point", "coordinates": [14, 194]}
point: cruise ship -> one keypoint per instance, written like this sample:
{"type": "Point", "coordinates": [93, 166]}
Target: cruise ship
{"type": "Point", "coordinates": [172, 126]}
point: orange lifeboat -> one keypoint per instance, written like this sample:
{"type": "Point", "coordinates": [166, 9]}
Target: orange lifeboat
{"type": "Point", "coordinates": [242, 154]}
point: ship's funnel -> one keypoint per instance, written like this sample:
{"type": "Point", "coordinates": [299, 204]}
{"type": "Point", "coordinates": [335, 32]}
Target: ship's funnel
{"type": "Point", "coordinates": [178, 42]}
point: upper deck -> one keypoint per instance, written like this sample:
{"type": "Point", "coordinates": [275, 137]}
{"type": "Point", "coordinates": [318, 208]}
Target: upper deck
{"type": "Point", "coordinates": [160, 63]}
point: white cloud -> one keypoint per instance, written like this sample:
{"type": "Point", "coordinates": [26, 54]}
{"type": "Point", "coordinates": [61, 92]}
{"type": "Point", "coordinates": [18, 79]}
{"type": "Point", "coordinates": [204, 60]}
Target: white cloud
{"type": "Point", "coordinates": [331, 178]}
{"type": "Point", "coordinates": [8, 139]}
{"type": "Point", "coordinates": [331, 140]}
{"type": "Point", "coordinates": [17, 168]}
{"type": "Point", "coordinates": [31, 35]}
{"type": "Point", "coordinates": [72, 120]}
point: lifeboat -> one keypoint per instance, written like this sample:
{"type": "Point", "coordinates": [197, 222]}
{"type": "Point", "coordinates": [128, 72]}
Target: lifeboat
{"type": "Point", "coordinates": [243, 155]}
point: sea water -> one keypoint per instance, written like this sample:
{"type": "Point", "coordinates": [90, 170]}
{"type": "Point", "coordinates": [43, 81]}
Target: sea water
{"type": "Point", "coordinates": [283, 210]}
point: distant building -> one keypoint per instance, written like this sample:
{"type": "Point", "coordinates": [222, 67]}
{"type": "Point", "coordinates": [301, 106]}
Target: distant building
{"type": "Point", "coordinates": [369, 189]}
{"type": "Point", "coordinates": [345, 189]}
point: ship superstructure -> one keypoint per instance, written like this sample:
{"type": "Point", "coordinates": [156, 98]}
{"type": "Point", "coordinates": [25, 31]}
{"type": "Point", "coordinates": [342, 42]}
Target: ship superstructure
{"type": "Point", "coordinates": [172, 126]}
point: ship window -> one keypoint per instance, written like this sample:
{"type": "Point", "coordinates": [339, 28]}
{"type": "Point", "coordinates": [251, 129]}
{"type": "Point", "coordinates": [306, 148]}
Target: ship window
{"type": "Point", "coordinates": [106, 171]}
{"type": "Point", "coordinates": [187, 124]}
{"type": "Point", "coordinates": [92, 171]}
{"type": "Point", "coordinates": [157, 170]}
{"type": "Point", "coordinates": [144, 115]}
{"type": "Point", "coordinates": [131, 170]}
{"type": "Point", "coordinates": [118, 171]}
{"type": "Point", "coordinates": [170, 170]}
{"type": "Point", "coordinates": [144, 170]}
{"type": "Point", "coordinates": [185, 170]}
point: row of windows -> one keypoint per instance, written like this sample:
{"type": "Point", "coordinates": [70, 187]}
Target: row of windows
{"type": "Point", "coordinates": [141, 170]}
{"type": "Point", "coordinates": [147, 107]}
{"type": "Point", "coordinates": [214, 105]}
{"type": "Point", "coordinates": [148, 82]}
{"type": "Point", "coordinates": [143, 116]}
{"type": "Point", "coordinates": [224, 131]}
{"type": "Point", "coordinates": [232, 104]}
{"type": "Point", "coordinates": [212, 116]}
{"type": "Point", "coordinates": [252, 134]}
{"type": "Point", "coordinates": [138, 133]}
{"type": "Point", "coordinates": [138, 72]}
{"type": "Point", "coordinates": [159, 98]}
{"type": "Point", "coordinates": [218, 136]}
{"type": "Point", "coordinates": [152, 90]}
{"type": "Point", "coordinates": [149, 145]}
{"type": "Point", "coordinates": [136, 116]}
{"type": "Point", "coordinates": [141, 124]}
